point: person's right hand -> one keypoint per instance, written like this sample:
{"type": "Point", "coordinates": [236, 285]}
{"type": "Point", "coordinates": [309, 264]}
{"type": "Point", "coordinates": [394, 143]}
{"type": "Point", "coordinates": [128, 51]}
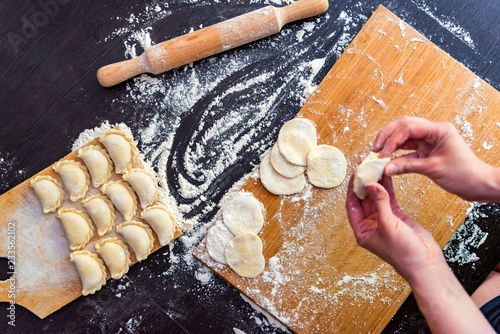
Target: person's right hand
{"type": "Point", "coordinates": [441, 154]}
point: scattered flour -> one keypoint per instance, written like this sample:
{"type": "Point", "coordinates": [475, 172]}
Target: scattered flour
{"type": "Point", "coordinates": [465, 126]}
{"type": "Point", "coordinates": [446, 22]}
{"type": "Point", "coordinates": [402, 27]}
{"type": "Point", "coordinates": [379, 101]}
{"type": "Point", "coordinates": [469, 236]}
{"type": "Point", "coordinates": [487, 146]}
{"type": "Point", "coordinates": [269, 317]}
{"type": "Point", "coordinates": [400, 79]}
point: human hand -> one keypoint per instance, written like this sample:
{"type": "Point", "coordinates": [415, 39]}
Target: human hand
{"type": "Point", "coordinates": [381, 227]}
{"type": "Point", "coordinates": [441, 154]}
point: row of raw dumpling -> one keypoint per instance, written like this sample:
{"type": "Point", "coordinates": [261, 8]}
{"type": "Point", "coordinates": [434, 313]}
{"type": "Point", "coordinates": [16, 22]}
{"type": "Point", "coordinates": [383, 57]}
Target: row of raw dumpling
{"type": "Point", "coordinates": [98, 166]}
{"type": "Point", "coordinates": [115, 253]}
{"type": "Point", "coordinates": [78, 226]}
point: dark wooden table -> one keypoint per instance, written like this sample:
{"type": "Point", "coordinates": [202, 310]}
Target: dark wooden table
{"type": "Point", "coordinates": [49, 94]}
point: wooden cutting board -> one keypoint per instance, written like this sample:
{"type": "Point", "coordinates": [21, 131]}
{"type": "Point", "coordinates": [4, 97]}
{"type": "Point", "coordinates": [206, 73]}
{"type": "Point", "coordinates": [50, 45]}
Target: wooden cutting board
{"type": "Point", "coordinates": [46, 279]}
{"type": "Point", "coordinates": [317, 279]}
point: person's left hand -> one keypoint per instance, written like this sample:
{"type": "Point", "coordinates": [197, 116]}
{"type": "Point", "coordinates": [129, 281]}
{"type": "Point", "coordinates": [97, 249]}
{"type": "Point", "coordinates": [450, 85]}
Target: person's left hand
{"type": "Point", "coordinates": [381, 227]}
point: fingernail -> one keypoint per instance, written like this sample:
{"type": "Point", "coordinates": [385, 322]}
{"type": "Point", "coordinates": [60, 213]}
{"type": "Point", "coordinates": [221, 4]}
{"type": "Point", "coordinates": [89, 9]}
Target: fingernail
{"type": "Point", "coordinates": [392, 170]}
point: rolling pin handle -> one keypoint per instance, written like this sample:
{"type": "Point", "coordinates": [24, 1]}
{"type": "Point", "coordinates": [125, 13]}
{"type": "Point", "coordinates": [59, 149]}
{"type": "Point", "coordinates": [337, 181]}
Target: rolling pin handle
{"type": "Point", "coordinates": [301, 9]}
{"type": "Point", "coordinates": [116, 73]}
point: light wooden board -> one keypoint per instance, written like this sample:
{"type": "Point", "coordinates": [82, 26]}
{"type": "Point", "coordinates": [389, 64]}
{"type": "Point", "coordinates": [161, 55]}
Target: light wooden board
{"type": "Point", "coordinates": [46, 280]}
{"type": "Point", "coordinates": [317, 280]}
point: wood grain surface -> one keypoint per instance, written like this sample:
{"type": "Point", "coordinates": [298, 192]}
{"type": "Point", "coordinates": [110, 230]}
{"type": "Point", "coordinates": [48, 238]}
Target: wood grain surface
{"type": "Point", "coordinates": [49, 95]}
{"type": "Point", "coordinates": [46, 279]}
{"type": "Point", "coordinates": [333, 285]}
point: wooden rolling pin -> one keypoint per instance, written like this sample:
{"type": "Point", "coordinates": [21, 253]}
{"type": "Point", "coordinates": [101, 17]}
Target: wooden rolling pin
{"type": "Point", "coordinates": [210, 40]}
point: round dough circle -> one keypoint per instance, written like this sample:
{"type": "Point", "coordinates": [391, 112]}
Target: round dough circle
{"type": "Point", "coordinates": [217, 238]}
{"type": "Point", "coordinates": [244, 255]}
{"type": "Point", "coordinates": [326, 166]}
{"type": "Point", "coordinates": [296, 138]}
{"type": "Point", "coordinates": [243, 213]}
{"type": "Point", "coordinates": [277, 184]}
{"type": "Point", "coordinates": [282, 166]}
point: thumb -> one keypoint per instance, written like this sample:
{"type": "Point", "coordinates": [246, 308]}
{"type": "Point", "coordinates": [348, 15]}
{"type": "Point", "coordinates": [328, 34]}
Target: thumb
{"type": "Point", "coordinates": [381, 199]}
{"type": "Point", "coordinates": [408, 163]}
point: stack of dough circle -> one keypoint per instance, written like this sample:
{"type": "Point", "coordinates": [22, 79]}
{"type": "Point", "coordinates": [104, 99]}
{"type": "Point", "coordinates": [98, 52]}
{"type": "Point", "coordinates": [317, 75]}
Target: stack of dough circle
{"type": "Point", "coordinates": [121, 148]}
{"type": "Point", "coordinates": [160, 220]}
{"type": "Point", "coordinates": [122, 196]}
{"type": "Point", "coordinates": [233, 239]}
{"type": "Point", "coordinates": [217, 238]}
{"type": "Point", "coordinates": [296, 138]}
{"type": "Point", "coordinates": [326, 166]}
{"type": "Point", "coordinates": [282, 166]}
{"type": "Point", "coordinates": [49, 192]}
{"type": "Point", "coordinates": [243, 254]}
{"type": "Point", "coordinates": [91, 270]}
{"type": "Point", "coordinates": [115, 255]}
{"type": "Point", "coordinates": [139, 236]}
{"type": "Point", "coordinates": [101, 211]}
{"type": "Point", "coordinates": [98, 163]}
{"type": "Point", "coordinates": [243, 214]}
{"type": "Point", "coordinates": [281, 171]}
{"type": "Point", "coordinates": [75, 177]}
{"type": "Point", "coordinates": [276, 183]}
{"type": "Point", "coordinates": [78, 227]}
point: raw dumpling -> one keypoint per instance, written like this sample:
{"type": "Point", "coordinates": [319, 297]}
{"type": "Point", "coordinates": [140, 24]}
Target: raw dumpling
{"type": "Point", "coordinates": [91, 269]}
{"type": "Point", "coordinates": [160, 220]}
{"type": "Point", "coordinates": [122, 196]}
{"type": "Point", "coordinates": [244, 255]}
{"type": "Point", "coordinates": [371, 169]}
{"type": "Point", "coordinates": [243, 213]}
{"type": "Point", "coordinates": [101, 211]}
{"type": "Point", "coordinates": [115, 255]}
{"type": "Point", "coordinates": [78, 227]}
{"type": "Point", "coordinates": [144, 185]}
{"type": "Point", "coordinates": [98, 162]}
{"type": "Point", "coordinates": [139, 236]}
{"type": "Point", "coordinates": [75, 176]}
{"type": "Point", "coordinates": [121, 148]}
{"type": "Point", "coordinates": [49, 191]}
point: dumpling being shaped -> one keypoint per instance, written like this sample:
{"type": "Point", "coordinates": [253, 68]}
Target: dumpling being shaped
{"type": "Point", "coordinates": [49, 192]}
{"type": "Point", "coordinates": [101, 211]}
{"type": "Point", "coordinates": [139, 236]}
{"type": "Point", "coordinates": [121, 148]}
{"type": "Point", "coordinates": [91, 270]}
{"type": "Point", "coordinates": [75, 176]}
{"type": "Point", "coordinates": [160, 220]}
{"type": "Point", "coordinates": [115, 255]}
{"type": "Point", "coordinates": [77, 226]}
{"type": "Point", "coordinates": [123, 197]}
{"type": "Point", "coordinates": [144, 184]}
{"type": "Point", "coordinates": [98, 163]}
